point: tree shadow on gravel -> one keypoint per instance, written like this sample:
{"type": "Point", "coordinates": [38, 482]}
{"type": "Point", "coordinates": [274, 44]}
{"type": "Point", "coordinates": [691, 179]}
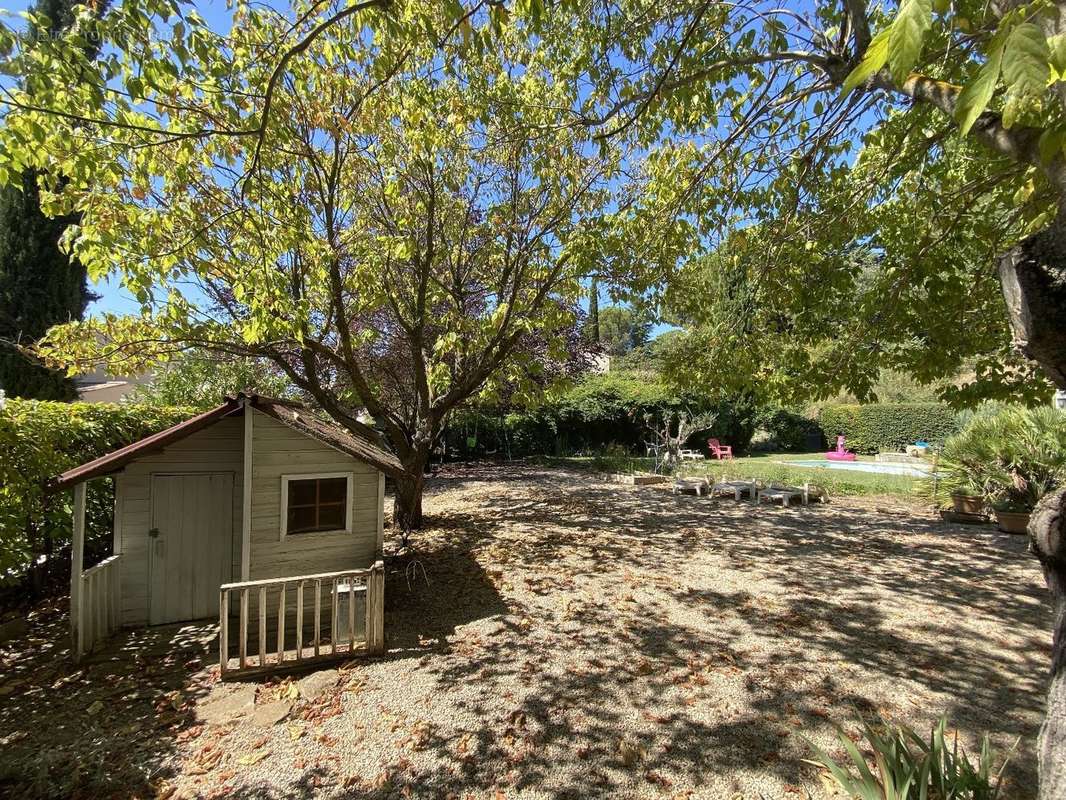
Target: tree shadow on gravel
{"type": "Point", "coordinates": [654, 680]}
{"type": "Point", "coordinates": [582, 639]}
{"type": "Point", "coordinates": [428, 596]}
{"type": "Point", "coordinates": [108, 726]}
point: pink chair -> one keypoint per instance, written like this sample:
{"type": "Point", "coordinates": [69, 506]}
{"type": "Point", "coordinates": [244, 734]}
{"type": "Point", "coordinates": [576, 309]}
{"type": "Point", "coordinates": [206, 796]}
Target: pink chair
{"type": "Point", "coordinates": [719, 450]}
{"type": "Point", "coordinates": [840, 454]}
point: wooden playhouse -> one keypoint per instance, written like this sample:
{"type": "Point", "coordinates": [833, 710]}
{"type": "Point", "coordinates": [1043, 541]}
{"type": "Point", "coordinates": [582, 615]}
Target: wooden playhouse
{"type": "Point", "coordinates": [258, 513]}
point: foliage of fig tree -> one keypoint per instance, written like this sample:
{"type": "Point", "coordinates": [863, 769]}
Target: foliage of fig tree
{"type": "Point", "coordinates": [379, 198]}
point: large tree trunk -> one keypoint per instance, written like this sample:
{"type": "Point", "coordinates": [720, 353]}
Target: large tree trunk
{"type": "Point", "coordinates": [1033, 277]}
{"type": "Point", "coordinates": [407, 503]}
{"type": "Point", "coordinates": [1047, 536]}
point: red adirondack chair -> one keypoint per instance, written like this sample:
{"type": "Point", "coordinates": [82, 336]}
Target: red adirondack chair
{"type": "Point", "coordinates": [719, 450]}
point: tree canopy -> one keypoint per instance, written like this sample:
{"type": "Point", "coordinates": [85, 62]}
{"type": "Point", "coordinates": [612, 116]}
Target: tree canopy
{"type": "Point", "coordinates": [929, 138]}
{"type": "Point", "coordinates": [394, 218]}
{"type": "Point", "coordinates": [200, 380]}
{"type": "Point", "coordinates": [623, 328]}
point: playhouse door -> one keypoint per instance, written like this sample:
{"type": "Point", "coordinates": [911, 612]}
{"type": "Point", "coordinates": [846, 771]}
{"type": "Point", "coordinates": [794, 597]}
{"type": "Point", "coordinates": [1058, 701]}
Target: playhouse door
{"type": "Point", "coordinates": [189, 546]}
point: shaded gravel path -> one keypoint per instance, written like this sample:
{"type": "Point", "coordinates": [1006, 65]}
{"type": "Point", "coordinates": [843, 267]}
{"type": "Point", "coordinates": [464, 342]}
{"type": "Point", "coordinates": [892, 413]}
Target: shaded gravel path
{"type": "Point", "coordinates": [584, 639]}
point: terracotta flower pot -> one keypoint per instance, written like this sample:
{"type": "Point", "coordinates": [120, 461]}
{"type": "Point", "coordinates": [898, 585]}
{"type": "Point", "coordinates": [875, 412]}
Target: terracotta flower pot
{"type": "Point", "coordinates": [968, 504]}
{"type": "Point", "coordinates": [1012, 521]}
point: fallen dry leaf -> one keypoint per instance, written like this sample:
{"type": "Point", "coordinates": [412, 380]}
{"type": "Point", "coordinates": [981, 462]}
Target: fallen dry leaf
{"type": "Point", "coordinates": [629, 752]}
{"type": "Point", "coordinates": [253, 758]}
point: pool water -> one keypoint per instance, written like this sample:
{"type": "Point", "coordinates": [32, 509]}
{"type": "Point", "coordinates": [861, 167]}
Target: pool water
{"type": "Point", "coordinates": [912, 470]}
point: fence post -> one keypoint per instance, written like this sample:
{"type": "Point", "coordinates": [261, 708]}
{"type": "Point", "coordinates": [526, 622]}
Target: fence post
{"type": "Point", "coordinates": [223, 631]}
{"type": "Point", "coordinates": [375, 609]}
{"type": "Point", "coordinates": [77, 562]}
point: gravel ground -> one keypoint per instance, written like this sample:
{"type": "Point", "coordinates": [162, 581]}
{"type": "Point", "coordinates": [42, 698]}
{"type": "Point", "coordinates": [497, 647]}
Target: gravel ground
{"type": "Point", "coordinates": [576, 638]}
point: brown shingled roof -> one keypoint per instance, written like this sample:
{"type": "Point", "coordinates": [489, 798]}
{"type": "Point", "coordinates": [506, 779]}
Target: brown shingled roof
{"type": "Point", "coordinates": [367, 447]}
{"type": "Point", "coordinates": [302, 420]}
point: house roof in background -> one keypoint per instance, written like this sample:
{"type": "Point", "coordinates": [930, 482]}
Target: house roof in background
{"type": "Point", "coordinates": [293, 415]}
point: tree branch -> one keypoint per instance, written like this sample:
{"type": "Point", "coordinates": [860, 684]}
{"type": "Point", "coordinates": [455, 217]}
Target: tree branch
{"type": "Point", "coordinates": [1019, 143]}
{"type": "Point", "coordinates": [283, 62]}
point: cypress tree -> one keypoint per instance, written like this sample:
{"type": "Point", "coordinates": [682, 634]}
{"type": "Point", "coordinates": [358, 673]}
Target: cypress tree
{"type": "Point", "coordinates": [594, 312]}
{"type": "Point", "coordinates": [40, 285]}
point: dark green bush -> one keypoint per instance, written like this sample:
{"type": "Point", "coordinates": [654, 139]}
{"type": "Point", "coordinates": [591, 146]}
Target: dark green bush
{"type": "Point", "coordinates": [880, 427]}
{"type": "Point", "coordinates": [39, 440]}
{"type": "Point", "coordinates": [599, 412]}
{"type": "Point", "coordinates": [788, 431]}
{"type": "Point", "coordinates": [1012, 456]}
{"type": "Point", "coordinates": [477, 433]}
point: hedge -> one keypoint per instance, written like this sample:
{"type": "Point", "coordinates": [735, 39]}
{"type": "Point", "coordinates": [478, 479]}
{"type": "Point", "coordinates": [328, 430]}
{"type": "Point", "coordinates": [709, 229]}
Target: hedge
{"type": "Point", "coordinates": [40, 439]}
{"type": "Point", "coordinates": [784, 430]}
{"type": "Point", "coordinates": [887, 427]}
{"type": "Point", "coordinates": [600, 412]}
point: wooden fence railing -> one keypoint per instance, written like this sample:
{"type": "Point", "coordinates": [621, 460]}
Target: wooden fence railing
{"type": "Point", "coordinates": [98, 609]}
{"type": "Point", "coordinates": [300, 619]}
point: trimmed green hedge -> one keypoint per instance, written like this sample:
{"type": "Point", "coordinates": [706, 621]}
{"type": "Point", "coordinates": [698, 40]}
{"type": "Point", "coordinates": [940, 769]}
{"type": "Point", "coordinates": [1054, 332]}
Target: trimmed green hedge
{"type": "Point", "coordinates": [887, 427]}
{"type": "Point", "coordinates": [602, 411]}
{"type": "Point", "coordinates": [40, 439]}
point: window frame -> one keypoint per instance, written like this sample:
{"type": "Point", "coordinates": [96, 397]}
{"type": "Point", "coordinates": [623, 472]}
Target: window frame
{"type": "Point", "coordinates": [349, 503]}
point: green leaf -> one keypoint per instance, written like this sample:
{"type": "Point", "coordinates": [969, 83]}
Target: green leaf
{"type": "Point", "coordinates": [1025, 70]}
{"type": "Point", "coordinates": [1050, 144]}
{"type": "Point", "coordinates": [872, 60]}
{"type": "Point", "coordinates": [974, 97]}
{"type": "Point", "coordinates": [1057, 55]}
{"type": "Point", "coordinates": [1026, 60]}
{"type": "Point", "coordinates": [907, 36]}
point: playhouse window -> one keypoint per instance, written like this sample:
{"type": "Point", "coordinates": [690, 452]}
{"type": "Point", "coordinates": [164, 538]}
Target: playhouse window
{"type": "Point", "coordinates": [316, 504]}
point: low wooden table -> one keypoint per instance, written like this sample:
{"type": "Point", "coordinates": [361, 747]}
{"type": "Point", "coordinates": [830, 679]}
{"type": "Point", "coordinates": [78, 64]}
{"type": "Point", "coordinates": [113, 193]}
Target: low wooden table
{"type": "Point", "coordinates": [699, 485]}
{"type": "Point", "coordinates": [738, 488]}
{"type": "Point", "coordinates": [784, 494]}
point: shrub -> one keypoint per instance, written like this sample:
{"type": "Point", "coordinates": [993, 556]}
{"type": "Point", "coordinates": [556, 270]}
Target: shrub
{"type": "Point", "coordinates": [788, 431]}
{"type": "Point", "coordinates": [906, 767]}
{"type": "Point", "coordinates": [472, 433]}
{"type": "Point", "coordinates": [599, 412]}
{"type": "Point", "coordinates": [41, 439]}
{"type": "Point", "coordinates": [890, 427]}
{"type": "Point", "coordinates": [616, 458]}
{"type": "Point", "coordinates": [1011, 456]}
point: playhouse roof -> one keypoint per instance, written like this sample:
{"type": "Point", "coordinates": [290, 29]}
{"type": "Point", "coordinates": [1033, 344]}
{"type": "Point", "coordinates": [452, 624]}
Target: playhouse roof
{"type": "Point", "coordinates": [291, 414]}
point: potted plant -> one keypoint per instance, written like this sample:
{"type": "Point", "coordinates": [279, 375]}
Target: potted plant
{"type": "Point", "coordinates": [968, 498]}
{"type": "Point", "coordinates": [965, 474]}
{"type": "Point", "coordinates": [1027, 478]}
{"type": "Point", "coordinates": [1012, 515]}
{"type": "Point", "coordinates": [1015, 455]}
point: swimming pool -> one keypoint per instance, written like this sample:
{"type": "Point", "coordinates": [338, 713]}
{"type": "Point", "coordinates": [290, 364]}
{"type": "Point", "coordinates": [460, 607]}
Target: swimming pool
{"type": "Point", "coordinates": [885, 468]}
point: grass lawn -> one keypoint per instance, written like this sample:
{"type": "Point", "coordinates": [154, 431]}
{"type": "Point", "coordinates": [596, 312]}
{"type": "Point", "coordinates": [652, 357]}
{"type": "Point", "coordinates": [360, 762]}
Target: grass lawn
{"type": "Point", "coordinates": [767, 467]}
{"type": "Point", "coordinates": [575, 639]}
{"type": "Point", "coordinates": [838, 482]}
